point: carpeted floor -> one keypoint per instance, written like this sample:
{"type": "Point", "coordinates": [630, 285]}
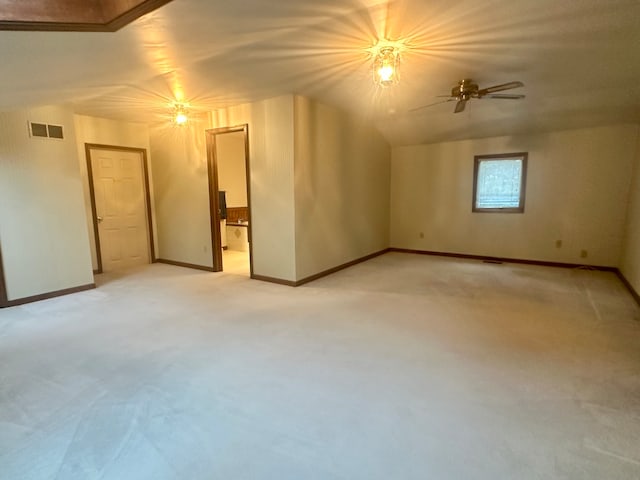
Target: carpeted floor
{"type": "Point", "coordinates": [404, 367]}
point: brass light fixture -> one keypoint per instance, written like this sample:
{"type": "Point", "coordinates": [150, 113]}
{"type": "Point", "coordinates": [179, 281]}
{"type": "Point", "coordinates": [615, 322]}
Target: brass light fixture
{"type": "Point", "coordinates": [386, 65]}
{"type": "Point", "coordinates": [180, 114]}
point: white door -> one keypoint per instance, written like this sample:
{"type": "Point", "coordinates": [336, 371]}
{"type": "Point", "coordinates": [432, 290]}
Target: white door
{"type": "Point", "coordinates": [120, 208]}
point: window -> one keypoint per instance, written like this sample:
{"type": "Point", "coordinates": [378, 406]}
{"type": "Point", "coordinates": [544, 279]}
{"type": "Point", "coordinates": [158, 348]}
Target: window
{"type": "Point", "coordinates": [499, 182]}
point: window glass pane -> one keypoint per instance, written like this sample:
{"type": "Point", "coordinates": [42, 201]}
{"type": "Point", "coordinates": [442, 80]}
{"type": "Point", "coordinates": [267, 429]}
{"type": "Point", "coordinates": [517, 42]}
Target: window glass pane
{"type": "Point", "coordinates": [499, 183]}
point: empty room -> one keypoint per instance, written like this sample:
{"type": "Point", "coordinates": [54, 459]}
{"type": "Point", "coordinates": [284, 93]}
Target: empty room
{"type": "Point", "coordinates": [319, 240]}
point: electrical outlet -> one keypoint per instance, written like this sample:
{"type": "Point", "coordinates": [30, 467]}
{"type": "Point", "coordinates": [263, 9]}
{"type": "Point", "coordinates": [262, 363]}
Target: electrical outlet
{"type": "Point", "coordinates": [583, 254]}
{"type": "Point", "coordinates": [558, 243]}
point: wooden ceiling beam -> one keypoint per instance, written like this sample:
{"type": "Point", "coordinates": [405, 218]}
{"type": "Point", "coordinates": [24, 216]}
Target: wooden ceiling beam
{"type": "Point", "coordinates": [73, 15]}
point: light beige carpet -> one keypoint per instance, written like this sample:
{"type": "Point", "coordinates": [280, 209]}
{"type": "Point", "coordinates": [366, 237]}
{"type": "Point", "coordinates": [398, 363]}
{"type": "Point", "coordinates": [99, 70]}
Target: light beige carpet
{"type": "Point", "coordinates": [403, 367]}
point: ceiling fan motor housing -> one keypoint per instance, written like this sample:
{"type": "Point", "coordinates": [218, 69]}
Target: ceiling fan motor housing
{"type": "Point", "coordinates": [464, 90]}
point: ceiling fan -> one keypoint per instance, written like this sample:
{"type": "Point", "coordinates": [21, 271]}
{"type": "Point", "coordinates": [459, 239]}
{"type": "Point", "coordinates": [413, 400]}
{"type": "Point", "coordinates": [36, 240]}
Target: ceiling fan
{"type": "Point", "coordinates": [466, 90]}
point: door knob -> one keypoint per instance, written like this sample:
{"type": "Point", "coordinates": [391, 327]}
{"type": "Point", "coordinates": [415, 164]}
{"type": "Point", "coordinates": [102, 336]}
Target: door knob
{"type": "Point", "coordinates": [99, 219]}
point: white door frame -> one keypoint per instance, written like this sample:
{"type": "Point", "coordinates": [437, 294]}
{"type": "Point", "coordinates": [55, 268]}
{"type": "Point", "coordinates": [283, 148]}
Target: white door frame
{"type": "Point", "coordinates": [145, 176]}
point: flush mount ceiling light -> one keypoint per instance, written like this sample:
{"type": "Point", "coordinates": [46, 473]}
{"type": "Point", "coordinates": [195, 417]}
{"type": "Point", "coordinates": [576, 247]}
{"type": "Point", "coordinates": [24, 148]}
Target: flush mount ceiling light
{"type": "Point", "coordinates": [180, 114]}
{"type": "Point", "coordinates": [386, 64]}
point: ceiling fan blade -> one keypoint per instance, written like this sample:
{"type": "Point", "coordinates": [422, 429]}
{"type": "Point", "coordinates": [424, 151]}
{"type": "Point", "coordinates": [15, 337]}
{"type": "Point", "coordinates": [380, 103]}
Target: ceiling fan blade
{"type": "Point", "coordinates": [504, 96]}
{"type": "Point", "coordinates": [500, 88]}
{"type": "Point", "coordinates": [432, 104]}
{"type": "Point", "coordinates": [460, 106]}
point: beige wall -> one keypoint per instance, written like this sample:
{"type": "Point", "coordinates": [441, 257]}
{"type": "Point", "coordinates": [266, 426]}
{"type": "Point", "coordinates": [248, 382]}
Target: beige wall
{"type": "Point", "coordinates": [181, 192]}
{"type": "Point", "coordinates": [43, 229]}
{"type": "Point", "coordinates": [232, 177]}
{"type": "Point", "coordinates": [577, 187]}
{"type": "Point", "coordinates": [342, 171]}
{"type": "Point", "coordinates": [106, 132]}
{"type": "Point", "coordinates": [630, 264]}
{"type": "Point", "coordinates": [271, 181]}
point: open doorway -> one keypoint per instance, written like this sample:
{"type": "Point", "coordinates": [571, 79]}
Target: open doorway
{"type": "Point", "coordinates": [230, 199]}
{"type": "Point", "coordinates": [120, 205]}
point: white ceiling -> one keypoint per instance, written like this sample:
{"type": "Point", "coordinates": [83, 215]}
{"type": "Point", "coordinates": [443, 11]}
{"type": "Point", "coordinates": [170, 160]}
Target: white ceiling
{"type": "Point", "coordinates": [579, 61]}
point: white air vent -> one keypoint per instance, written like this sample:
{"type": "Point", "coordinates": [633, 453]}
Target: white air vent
{"type": "Point", "coordinates": [45, 131]}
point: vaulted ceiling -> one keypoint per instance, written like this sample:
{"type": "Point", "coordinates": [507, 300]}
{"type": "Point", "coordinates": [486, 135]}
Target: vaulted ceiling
{"type": "Point", "coordinates": [578, 60]}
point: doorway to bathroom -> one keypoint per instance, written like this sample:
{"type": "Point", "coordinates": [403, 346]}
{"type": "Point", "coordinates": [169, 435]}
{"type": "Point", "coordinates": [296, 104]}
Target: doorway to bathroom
{"type": "Point", "coordinates": [230, 199]}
